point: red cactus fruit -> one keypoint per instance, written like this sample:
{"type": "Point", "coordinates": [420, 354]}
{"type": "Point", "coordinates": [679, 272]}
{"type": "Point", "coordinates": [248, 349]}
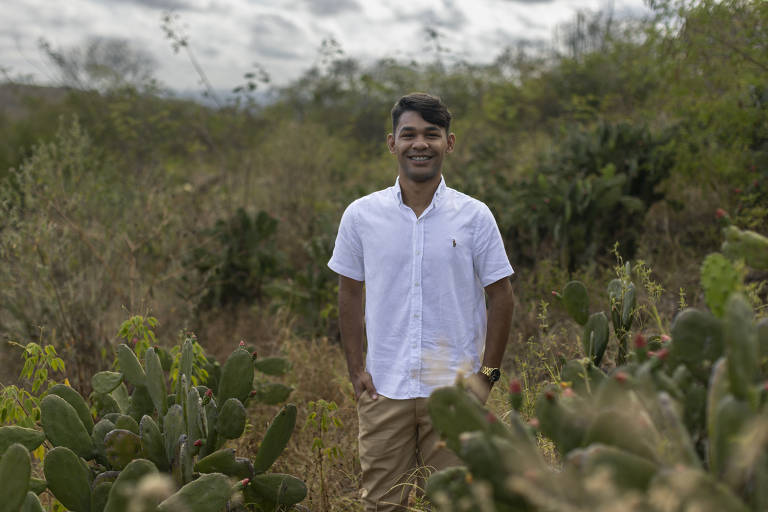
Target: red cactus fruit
{"type": "Point", "coordinates": [209, 393]}
{"type": "Point", "coordinates": [490, 418]}
{"type": "Point", "coordinates": [640, 341]}
{"type": "Point", "coordinates": [242, 343]}
{"type": "Point", "coordinates": [620, 377]}
{"type": "Point", "coordinates": [534, 422]}
{"type": "Point", "coordinates": [515, 387]}
{"type": "Point", "coordinates": [568, 392]}
{"type": "Point", "coordinates": [665, 338]}
{"type": "Point", "coordinates": [254, 355]}
{"type": "Point", "coordinates": [245, 481]}
{"type": "Point", "coordinates": [198, 443]}
{"type": "Point", "coordinates": [720, 213]}
{"type": "Point", "coordinates": [549, 395]}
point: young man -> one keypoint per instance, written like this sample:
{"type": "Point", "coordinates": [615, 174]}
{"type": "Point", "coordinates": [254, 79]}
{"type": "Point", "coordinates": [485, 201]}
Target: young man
{"type": "Point", "coordinates": [427, 255]}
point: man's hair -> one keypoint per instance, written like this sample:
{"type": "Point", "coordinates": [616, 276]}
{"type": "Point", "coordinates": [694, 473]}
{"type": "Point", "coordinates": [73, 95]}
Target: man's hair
{"type": "Point", "coordinates": [431, 108]}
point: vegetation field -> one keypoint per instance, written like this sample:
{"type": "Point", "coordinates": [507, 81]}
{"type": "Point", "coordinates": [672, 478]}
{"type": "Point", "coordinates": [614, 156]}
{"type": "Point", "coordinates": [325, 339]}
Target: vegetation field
{"type": "Point", "coordinates": [155, 246]}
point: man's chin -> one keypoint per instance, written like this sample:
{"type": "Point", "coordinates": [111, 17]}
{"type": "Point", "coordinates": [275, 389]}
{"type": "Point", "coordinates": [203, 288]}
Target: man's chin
{"type": "Point", "coordinates": [422, 177]}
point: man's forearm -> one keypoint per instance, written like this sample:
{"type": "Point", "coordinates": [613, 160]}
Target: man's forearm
{"type": "Point", "coordinates": [351, 323]}
{"type": "Point", "coordinates": [500, 308]}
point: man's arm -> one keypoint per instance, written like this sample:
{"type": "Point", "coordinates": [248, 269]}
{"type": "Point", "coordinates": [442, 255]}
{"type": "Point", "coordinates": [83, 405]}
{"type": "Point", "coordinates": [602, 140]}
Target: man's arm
{"type": "Point", "coordinates": [351, 327]}
{"type": "Point", "coordinates": [500, 306]}
{"type": "Point", "coordinates": [501, 302]}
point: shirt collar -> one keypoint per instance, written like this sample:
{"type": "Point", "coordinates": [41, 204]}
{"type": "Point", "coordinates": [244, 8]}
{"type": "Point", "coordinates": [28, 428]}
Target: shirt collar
{"type": "Point", "coordinates": [398, 192]}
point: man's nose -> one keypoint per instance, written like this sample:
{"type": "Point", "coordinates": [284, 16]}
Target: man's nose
{"type": "Point", "coordinates": [420, 144]}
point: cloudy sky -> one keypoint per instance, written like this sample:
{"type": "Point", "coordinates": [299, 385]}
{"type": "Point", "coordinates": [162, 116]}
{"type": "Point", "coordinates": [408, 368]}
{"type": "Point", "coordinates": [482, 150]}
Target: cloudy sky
{"type": "Point", "coordinates": [282, 36]}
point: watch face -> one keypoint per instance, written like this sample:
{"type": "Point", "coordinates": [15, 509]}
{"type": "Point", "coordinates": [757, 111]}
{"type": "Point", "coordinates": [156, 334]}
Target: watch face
{"type": "Point", "coordinates": [495, 375]}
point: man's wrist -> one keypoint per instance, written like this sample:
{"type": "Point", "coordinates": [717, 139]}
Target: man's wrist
{"type": "Point", "coordinates": [492, 374]}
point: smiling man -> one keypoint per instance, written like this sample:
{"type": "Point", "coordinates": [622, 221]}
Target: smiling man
{"type": "Point", "coordinates": [425, 256]}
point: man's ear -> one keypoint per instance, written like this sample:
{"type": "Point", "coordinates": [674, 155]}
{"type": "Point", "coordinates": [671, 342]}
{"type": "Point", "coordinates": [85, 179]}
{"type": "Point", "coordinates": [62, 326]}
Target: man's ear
{"type": "Point", "coordinates": [451, 142]}
{"type": "Point", "coordinates": [391, 142]}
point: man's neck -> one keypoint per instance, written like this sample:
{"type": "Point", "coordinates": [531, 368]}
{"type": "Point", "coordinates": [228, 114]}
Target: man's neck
{"type": "Point", "coordinates": [418, 195]}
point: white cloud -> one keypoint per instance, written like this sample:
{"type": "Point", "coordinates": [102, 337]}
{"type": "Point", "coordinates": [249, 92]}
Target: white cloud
{"type": "Point", "coordinates": [282, 35]}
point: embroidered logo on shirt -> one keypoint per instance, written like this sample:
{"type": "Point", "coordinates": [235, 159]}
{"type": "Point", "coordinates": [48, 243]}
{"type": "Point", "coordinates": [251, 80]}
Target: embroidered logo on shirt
{"type": "Point", "coordinates": [454, 242]}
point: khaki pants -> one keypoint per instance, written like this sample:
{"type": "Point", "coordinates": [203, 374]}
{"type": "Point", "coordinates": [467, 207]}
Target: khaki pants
{"type": "Point", "coordinates": [398, 448]}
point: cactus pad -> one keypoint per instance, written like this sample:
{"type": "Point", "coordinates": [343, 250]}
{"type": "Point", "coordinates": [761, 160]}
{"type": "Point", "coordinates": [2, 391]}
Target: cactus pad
{"type": "Point", "coordinates": [231, 422]}
{"type": "Point", "coordinates": [77, 402]}
{"type": "Point", "coordinates": [105, 382]}
{"type": "Point", "coordinates": [576, 300]}
{"type": "Point", "coordinates": [224, 461]}
{"type": "Point", "coordinates": [63, 427]}
{"type": "Point", "coordinates": [119, 494]}
{"type": "Point", "coordinates": [28, 437]}
{"type": "Point", "coordinates": [156, 381]}
{"type": "Point", "coordinates": [236, 376]}
{"type": "Point", "coordinates": [152, 445]}
{"type": "Point", "coordinates": [275, 488]}
{"type": "Point", "coordinates": [276, 438]}
{"type": "Point", "coordinates": [15, 469]}
{"type": "Point", "coordinates": [272, 393]}
{"type": "Point", "coordinates": [208, 493]}
{"type": "Point", "coordinates": [67, 479]}
{"type": "Point", "coordinates": [121, 447]}
{"type": "Point", "coordinates": [31, 503]}
{"type": "Point", "coordinates": [272, 365]}
{"type": "Point", "coordinates": [130, 366]}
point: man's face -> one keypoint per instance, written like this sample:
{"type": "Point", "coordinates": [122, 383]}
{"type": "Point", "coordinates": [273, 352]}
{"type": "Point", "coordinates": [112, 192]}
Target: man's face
{"type": "Point", "coordinates": [419, 147]}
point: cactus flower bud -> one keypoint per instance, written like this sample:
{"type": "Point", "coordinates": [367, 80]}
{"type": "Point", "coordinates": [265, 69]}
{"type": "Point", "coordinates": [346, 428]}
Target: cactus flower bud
{"type": "Point", "coordinates": [620, 377]}
{"type": "Point", "coordinates": [242, 343]}
{"type": "Point", "coordinates": [568, 392]}
{"type": "Point", "coordinates": [490, 418]}
{"type": "Point", "coordinates": [245, 481]}
{"type": "Point", "coordinates": [198, 443]}
{"type": "Point", "coordinates": [253, 392]}
{"type": "Point", "coordinates": [640, 341]}
{"type": "Point", "coordinates": [515, 387]}
{"type": "Point", "coordinates": [156, 347]}
{"type": "Point", "coordinates": [720, 213]}
{"type": "Point", "coordinates": [534, 422]}
{"type": "Point", "coordinates": [665, 338]}
{"type": "Point", "coordinates": [661, 354]}
{"type": "Point", "coordinates": [134, 341]}
{"type": "Point", "coordinates": [550, 396]}
{"type": "Point", "coordinates": [254, 355]}
{"type": "Point", "coordinates": [209, 393]}
{"type": "Point", "coordinates": [737, 191]}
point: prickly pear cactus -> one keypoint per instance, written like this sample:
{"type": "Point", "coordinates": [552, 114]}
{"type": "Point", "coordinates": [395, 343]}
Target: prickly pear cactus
{"type": "Point", "coordinates": [142, 430]}
{"type": "Point", "coordinates": [678, 426]}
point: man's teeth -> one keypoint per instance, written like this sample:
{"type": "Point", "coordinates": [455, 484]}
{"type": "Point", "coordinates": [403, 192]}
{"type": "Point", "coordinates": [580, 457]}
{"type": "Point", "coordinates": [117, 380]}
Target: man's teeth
{"type": "Point", "coordinates": [420, 158]}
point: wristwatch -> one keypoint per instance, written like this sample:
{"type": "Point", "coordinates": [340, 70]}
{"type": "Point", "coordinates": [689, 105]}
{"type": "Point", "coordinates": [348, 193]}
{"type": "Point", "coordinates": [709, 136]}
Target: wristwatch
{"type": "Point", "coordinates": [493, 374]}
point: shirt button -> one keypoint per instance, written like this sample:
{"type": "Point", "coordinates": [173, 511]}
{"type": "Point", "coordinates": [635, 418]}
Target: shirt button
{"type": "Point", "coordinates": [416, 285]}
{"type": "Point", "coordinates": [415, 315]}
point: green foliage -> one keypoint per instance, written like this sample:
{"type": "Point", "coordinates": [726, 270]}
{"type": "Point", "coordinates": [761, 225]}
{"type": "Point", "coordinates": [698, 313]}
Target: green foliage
{"type": "Point", "coordinates": [19, 405]}
{"type": "Point", "coordinates": [138, 331]}
{"type": "Point", "coordinates": [322, 420]}
{"type": "Point", "coordinates": [588, 194]}
{"type": "Point", "coordinates": [239, 259]}
{"type": "Point", "coordinates": [720, 279]}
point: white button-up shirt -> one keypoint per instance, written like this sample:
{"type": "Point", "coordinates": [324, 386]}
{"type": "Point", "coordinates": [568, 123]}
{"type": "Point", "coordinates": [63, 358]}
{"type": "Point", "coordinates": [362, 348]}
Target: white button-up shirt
{"type": "Point", "coordinates": [425, 313]}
